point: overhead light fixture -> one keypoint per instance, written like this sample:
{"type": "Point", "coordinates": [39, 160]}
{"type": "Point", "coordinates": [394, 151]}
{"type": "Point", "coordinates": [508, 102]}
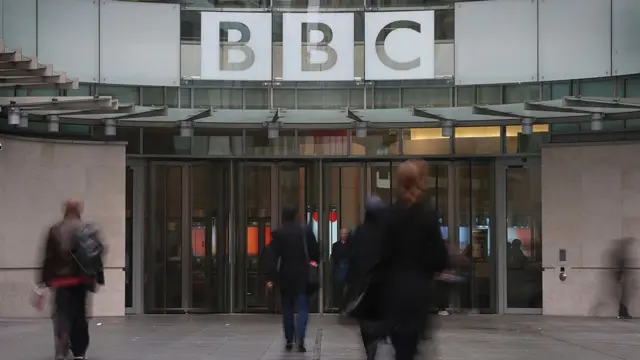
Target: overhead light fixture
{"type": "Point", "coordinates": [110, 127]}
{"type": "Point", "coordinates": [24, 119]}
{"type": "Point", "coordinates": [54, 123]}
{"type": "Point", "coordinates": [273, 130]}
{"type": "Point", "coordinates": [527, 126]}
{"type": "Point", "coordinates": [361, 129]}
{"type": "Point", "coordinates": [186, 130]}
{"type": "Point", "coordinates": [14, 116]}
{"type": "Point", "coordinates": [447, 128]}
{"type": "Point", "coordinates": [596, 122]}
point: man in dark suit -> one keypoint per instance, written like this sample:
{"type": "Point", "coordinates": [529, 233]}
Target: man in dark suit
{"type": "Point", "coordinates": [289, 266]}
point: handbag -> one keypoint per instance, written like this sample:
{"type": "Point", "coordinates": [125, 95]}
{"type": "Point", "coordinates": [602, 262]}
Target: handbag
{"type": "Point", "coordinates": [313, 279]}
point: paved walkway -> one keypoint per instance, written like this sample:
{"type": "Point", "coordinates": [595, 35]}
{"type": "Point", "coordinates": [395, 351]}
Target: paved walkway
{"type": "Point", "coordinates": [258, 337]}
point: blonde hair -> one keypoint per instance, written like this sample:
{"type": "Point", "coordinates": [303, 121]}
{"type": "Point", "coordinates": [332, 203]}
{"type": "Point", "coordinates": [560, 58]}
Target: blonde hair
{"type": "Point", "coordinates": [409, 182]}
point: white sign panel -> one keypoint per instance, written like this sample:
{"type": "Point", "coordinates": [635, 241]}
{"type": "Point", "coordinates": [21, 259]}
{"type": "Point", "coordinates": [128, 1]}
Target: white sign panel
{"type": "Point", "coordinates": [236, 46]}
{"type": "Point", "coordinates": [399, 45]}
{"type": "Point", "coordinates": [318, 46]}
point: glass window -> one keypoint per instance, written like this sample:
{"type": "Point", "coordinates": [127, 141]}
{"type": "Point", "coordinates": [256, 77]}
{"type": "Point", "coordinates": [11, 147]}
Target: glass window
{"type": "Point", "coordinates": [259, 144]}
{"type": "Point", "coordinates": [386, 98]}
{"type": "Point", "coordinates": [284, 99]}
{"type": "Point", "coordinates": [190, 23]}
{"type": "Point", "coordinates": [600, 87]}
{"type": "Point", "coordinates": [465, 96]}
{"type": "Point", "coordinates": [520, 93]}
{"type": "Point", "coordinates": [165, 141]}
{"type": "Point", "coordinates": [427, 141]}
{"type": "Point", "coordinates": [477, 140]}
{"type": "Point", "coordinates": [185, 98]}
{"type": "Point", "coordinates": [488, 95]}
{"type": "Point", "coordinates": [207, 142]}
{"type": "Point", "coordinates": [125, 94]}
{"type": "Point", "coordinates": [632, 88]}
{"type": "Point", "coordinates": [323, 142]}
{"type": "Point", "coordinates": [554, 91]}
{"type": "Point", "coordinates": [256, 98]}
{"type": "Point", "coordinates": [171, 98]}
{"type": "Point", "coordinates": [377, 142]}
{"type": "Point", "coordinates": [356, 98]}
{"type": "Point", "coordinates": [426, 97]}
{"type": "Point", "coordinates": [128, 134]}
{"type": "Point", "coordinates": [326, 4]}
{"type": "Point", "coordinates": [323, 98]}
{"type": "Point", "coordinates": [218, 98]}
{"type": "Point", "coordinates": [517, 142]}
{"type": "Point", "coordinates": [153, 96]}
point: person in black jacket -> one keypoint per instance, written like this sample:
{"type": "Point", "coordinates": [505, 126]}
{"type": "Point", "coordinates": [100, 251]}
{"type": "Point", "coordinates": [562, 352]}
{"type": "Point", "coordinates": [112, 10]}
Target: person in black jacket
{"type": "Point", "coordinates": [289, 267]}
{"type": "Point", "coordinates": [413, 251]}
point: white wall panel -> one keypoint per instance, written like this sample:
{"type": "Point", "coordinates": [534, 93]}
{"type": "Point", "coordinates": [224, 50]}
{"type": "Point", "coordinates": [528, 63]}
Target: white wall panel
{"type": "Point", "coordinates": [19, 25]}
{"type": "Point", "coordinates": [139, 43]}
{"type": "Point", "coordinates": [69, 37]}
{"type": "Point", "coordinates": [574, 39]}
{"type": "Point", "coordinates": [626, 42]}
{"type": "Point", "coordinates": [496, 42]}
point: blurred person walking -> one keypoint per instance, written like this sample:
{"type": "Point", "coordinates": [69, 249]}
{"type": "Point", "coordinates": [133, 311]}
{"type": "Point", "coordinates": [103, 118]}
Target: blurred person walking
{"type": "Point", "coordinates": [294, 256]}
{"type": "Point", "coordinates": [72, 267]}
{"type": "Point", "coordinates": [340, 253]}
{"type": "Point", "coordinates": [413, 252]}
{"type": "Point", "coordinates": [621, 254]}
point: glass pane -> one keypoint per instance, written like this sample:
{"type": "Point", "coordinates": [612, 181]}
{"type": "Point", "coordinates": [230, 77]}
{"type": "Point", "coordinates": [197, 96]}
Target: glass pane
{"type": "Point", "coordinates": [356, 98]}
{"type": "Point", "coordinates": [427, 141]}
{"type": "Point", "coordinates": [386, 98]}
{"type": "Point", "coordinates": [521, 93]}
{"type": "Point", "coordinates": [165, 142]}
{"type": "Point", "coordinates": [153, 96]}
{"type": "Point", "coordinates": [259, 144]}
{"type": "Point", "coordinates": [517, 142]}
{"type": "Point", "coordinates": [82, 90]}
{"type": "Point", "coordinates": [524, 247]}
{"type": "Point", "coordinates": [426, 97]}
{"type": "Point", "coordinates": [128, 252]}
{"type": "Point", "coordinates": [380, 182]}
{"type": "Point", "coordinates": [284, 99]}
{"type": "Point", "coordinates": [185, 98]}
{"type": "Point", "coordinates": [126, 94]}
{"type": "Point", "coordinates": [465, 95]}
{"type": "Point", "coordinates": [206, 142]}
{"type": "Point", "coordinates": [256, 99]}
{"type": "Point", "coordinates": [555, 91]}
{"type": "Point", "coordinates": [632, 88]}
{"type": "Point", "coordinates": [130, 135]}
{"type": "Point", "coordinates": [477, 140]}
{"type": "Point", "coordinates": [323, 142]}
{"type": "Point", "coordinates": [331, 4]}
{"type": "Point", "coordinates": [377, 142]}
{"type": "Point", "coordinates": [488, 95]}
{"type": "Point", "coordinates": [603, 88]}
{"type": "Point", "coordinates": [190, 25]}
{"type": "Point", "coordinates": [171, 99]}
{"type": "Point", "coordinates": [218, 98]}
{"type": "Point", "coordinates": [323, 98]}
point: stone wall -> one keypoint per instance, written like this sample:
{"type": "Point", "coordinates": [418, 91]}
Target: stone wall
{"type": "Point", "coordinates": [36, 176]}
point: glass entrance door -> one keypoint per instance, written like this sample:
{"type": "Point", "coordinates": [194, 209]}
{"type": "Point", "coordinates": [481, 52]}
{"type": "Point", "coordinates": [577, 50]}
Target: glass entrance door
{"type": "Point", "coordinates": [187, 266]}
{"type": "Point", "coordinates": [519, 237]}
{"type": "Point", "coordinates": [264, 190]}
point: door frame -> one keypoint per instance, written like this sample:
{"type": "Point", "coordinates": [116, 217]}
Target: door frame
{"type": "Point", "coordinates": [138, 234]}
{"type": "Point", "coordinates": [501, 167]}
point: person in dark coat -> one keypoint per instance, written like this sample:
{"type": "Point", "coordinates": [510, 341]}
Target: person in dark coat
{"type": "Point", "coordinates": [340, 253]}
{"type": "Point", "coordinates": [289, 268]}
{"type": "Point", "coordinates": [365, 244]}
{"type": "Point", "coordinates": [413, 252]}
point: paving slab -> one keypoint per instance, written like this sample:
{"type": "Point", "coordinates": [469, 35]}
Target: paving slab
{"type": "Point", "coordinates": [259, 337]}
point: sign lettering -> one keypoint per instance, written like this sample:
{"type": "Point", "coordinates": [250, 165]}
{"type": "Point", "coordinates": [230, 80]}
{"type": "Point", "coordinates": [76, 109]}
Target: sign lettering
{"type": "Point", "coordinates": [318, 36]}
{"type": "Point", "coordinates": [235, 43]}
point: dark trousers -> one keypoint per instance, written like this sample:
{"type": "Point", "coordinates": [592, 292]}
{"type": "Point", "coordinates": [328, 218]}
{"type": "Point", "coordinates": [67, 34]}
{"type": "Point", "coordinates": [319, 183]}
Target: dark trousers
{"type": "Point", "coordinates": [405, 344]}
{"type": "Point", "coordinates": [443, 292]}
{"type": "Point", "coordinates": [623, 310]}
{"type": "Point", "coordinates": [369, 341]}
{"type": "Point", "coordinates": [70, 326]}
{"type": "Point", "coordinates": [295, 331]}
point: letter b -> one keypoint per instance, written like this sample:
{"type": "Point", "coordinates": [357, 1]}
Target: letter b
{"type": "Point", "coordinates": [232, 45]}
{"type": "Point", "coordinates": [308, 29]}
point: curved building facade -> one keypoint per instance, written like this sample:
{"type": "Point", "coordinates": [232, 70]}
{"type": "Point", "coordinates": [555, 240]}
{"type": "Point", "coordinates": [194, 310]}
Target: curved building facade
{"type": "Point", "coordinates": [231, 110]}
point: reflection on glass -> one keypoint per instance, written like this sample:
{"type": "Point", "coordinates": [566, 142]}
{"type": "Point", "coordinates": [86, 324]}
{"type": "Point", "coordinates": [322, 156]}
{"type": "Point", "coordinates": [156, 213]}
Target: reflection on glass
{"type": "Point", "coordinates": [377, 142]}
{"type": "Point", "coordinates": [517, 142]}
{"type": "Point", "coordinates": [259, 144]}
{"type": "Point", "coordinates": [477, 140]}
{"type": "Point", "coordinates": [425, 141]}
{"type": "Point", "coordinates": [331, 4]}
{"type": "Point", "coordinates": [165, 142]}
{"type": "Point", "coordinates": [323, 142]}
{"type": "Point", "coordinates": [524, 247]}
{"type": "Point", "coordinates": [216, 142]}
{"type": "Point", "coordinates": [380, 177]}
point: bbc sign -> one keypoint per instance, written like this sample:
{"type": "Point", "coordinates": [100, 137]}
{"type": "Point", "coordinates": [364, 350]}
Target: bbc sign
{"type": "Point", "coordinates": [318, 46]}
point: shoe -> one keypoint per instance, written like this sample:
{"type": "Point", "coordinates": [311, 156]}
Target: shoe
{"type": "Point", "coordinates": [443, 313]}
{"type": "Point", "coordinates": [288, 346]}
{"type": "Point", "coordinates": [83, 357]}
{"type": "Point", "coordinates": [301, 348]}
{"type": "Point", "coordinates": [625, 317]}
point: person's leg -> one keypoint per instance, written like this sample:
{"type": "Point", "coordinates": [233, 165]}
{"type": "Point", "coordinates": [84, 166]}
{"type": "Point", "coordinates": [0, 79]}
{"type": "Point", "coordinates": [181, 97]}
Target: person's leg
{"type": "Point", "coordinates": [79, 332]}
{"type": "Point", "coordinates": [287, 319]}
{"type": "Point", "coordinates": [61, 322]}
{"type": "Point", "coordinates": [369, 341]}
{"type": "Point", "coordinates": [405, 345]}
{"type": "Point", "coordinates": [303, 317]}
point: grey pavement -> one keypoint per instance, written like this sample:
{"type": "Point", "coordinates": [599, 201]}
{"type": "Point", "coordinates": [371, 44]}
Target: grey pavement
{"type": "Point", "coordinates": [259, 337]}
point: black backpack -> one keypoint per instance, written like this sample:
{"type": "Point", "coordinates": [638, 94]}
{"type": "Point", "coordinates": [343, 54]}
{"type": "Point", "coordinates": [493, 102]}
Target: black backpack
{"type": "Point", "coordinates": [87, 251]}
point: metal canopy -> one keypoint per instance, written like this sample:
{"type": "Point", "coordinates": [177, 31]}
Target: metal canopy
{"type": "Point", "coordinates": [97, 110]}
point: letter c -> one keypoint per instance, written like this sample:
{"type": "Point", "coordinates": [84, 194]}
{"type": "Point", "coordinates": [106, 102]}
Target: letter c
{"type": "Point", "coordinates": [382, 37]}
